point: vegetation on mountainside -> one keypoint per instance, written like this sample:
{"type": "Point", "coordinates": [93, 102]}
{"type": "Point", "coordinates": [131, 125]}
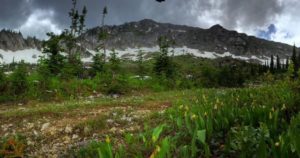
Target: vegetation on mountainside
{"type": "Point", "coordinates": [249, 110]}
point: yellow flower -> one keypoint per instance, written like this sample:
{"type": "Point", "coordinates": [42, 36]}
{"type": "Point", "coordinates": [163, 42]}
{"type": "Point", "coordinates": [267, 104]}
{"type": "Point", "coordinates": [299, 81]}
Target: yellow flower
{"type": "Point", "coordinates": [205, 114]}
{"type": "Point", "coordinates": [154, 138]}
{"type": "Point", "coordinates": [216, 107]}
{"type": "Point", "coordinates": [283, 107]}
{"type": "Point", "coordinates": [181, 107]}
{"type": "Point", "coordinates": [107, 140]}
{"type": "Point", "coordinates": [158, 148]}
{"type": "Point", "coordinates": [270, 116]}
{"type": "Point", "coordinates": [186, 108]}
{"type": "Point", "coordinates": [194, 117]}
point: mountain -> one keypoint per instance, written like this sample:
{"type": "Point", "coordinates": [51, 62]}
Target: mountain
{"type": "Point", "coordinates": [213, 42]}
{"type": "Point", "coordinates": [130, 38]}
{"type": "Point", "coordinates": [14, 47]}
{"type": "Point", "coordinates": [13, 41]}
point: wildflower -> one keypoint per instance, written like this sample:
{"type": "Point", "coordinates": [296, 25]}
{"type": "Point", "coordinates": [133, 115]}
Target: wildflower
{"type": "Point", "coordinates": [194, 117]}
{"type": "Point", "coordinates": [158, 148]}
{"type": "Point", "coordinates": [154, 138]}
{"type": "Point", "coordinates": [283, 107]}
{"type": "Point", "coordinates": [107, 140]}
{"type": "Point", "coordinates": [277, 144]}
{"type": "Point", "coordinates": [273, 109]}
{"type": "Point", "coordinates": [216, 107]}
{"type": "Point", "coordinates": [186, 108]}
{"type": "Point", "coordinates": [205, 114]}
{"type": "Point", "coordinates": [181, 107]}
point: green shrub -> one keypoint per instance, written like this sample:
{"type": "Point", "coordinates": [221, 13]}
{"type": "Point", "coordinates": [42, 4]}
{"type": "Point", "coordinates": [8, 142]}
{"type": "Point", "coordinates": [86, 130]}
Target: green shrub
{"type": "Point", "coordinates": [18, 83]}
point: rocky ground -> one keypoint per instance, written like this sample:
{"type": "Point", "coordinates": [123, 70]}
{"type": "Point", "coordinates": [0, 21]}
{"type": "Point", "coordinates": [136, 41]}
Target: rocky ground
{"type": "Point", "coordinates": [52, 133]}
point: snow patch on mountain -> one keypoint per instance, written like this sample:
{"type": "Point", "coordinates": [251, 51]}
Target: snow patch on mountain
{"type": "Point", "coordinates": [32, 55]}
{"type": "Point", "coordinates": [28, 55]}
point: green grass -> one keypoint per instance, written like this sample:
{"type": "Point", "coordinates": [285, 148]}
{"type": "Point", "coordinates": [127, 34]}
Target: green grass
{"type": "Point", "coordinates": [67, 106]}
{"type": "Point", "coordinates": [248, 122]}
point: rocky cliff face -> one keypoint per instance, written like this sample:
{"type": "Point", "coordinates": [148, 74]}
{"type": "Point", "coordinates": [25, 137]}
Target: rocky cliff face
{"type": "Point", "coordinates": [14, 41]}
{"type": "Point", "coordinates": [129, 38]}
{"type": "Point", "coordinates": [215, 39]}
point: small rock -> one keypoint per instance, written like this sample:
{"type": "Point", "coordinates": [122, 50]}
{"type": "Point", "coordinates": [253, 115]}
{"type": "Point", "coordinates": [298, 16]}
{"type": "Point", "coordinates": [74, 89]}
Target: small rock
{"type": "Point", "coordinates": [30, 125]}
{"type": "Point", "coordinates": [68, 129]}
{"type": "Point", "coordinates": [45, 126]}
{"type": "Point", "coordinates": [67, 140]}
{"type": "Point", "coordinates": [30, 143]}
{"type": "Point", "coordinates": [110, 121]}
{"type": "Point", "coordinates": [86, 130]}
{"type": "Point", "coordinates": [35, 133]}
{"type": "Point", "coordinates": [114, 129]}
{"type": "Point", "coordinates": [75, 136]}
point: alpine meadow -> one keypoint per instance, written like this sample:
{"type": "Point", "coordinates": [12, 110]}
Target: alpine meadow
{"type": "Point", "coordinates": [149, 79]}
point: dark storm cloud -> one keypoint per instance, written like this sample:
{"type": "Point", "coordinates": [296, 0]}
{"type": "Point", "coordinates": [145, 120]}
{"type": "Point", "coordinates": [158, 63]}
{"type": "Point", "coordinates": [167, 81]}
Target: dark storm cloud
{"type": "Point", "coordinates": [13, 12]}
{"type": "Point", "coordinates": [203, 13]}
{"type": "Point", "coordinates": [249, 13]}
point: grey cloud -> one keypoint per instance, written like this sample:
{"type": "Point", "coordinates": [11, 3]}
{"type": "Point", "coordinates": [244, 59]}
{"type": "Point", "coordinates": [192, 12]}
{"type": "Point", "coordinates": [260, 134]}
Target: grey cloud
{"type": "Point", "coordinates": [201, 13]}
{"type": "Point", "coordinates": [249, 13]}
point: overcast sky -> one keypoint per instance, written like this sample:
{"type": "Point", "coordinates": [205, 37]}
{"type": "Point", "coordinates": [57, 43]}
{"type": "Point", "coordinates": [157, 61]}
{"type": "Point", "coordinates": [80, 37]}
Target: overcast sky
{"type": "Point", "coordinates": [277, 20]}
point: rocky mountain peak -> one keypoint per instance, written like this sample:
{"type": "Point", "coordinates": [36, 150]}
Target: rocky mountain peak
{"type": "Point", "coordinates": [13, 41]}
{"type": "Point", "coordinates": [217, 27]}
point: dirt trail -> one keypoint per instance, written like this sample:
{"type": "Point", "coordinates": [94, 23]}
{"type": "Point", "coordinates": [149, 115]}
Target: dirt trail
{"type": "Point", "coordinates": [52, 135]}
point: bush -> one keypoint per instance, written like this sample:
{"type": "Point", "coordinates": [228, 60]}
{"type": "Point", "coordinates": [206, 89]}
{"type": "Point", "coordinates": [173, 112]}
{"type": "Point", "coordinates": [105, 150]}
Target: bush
{"type": "Point", "coordinates": [18, 83]}
{"type": "Point", "coordinates": [112, 84]}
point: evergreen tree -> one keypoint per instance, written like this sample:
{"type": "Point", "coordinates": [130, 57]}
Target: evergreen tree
{"type": "Point", "coordinates": [3, 81]}
{"type": "Point", "coordinates": [294, 60]}
{"type": "Point", "coordinates": [163, 64]}
{"type": "Point", "coordinates": [278, 67]}
{"type": "Point", "coordinates": [114, 62]}
{"type": "Point", "coordinates": [18, 82]}
{"type": "Point", "coordinates": [52, 48]}
{"type": "Point", "coordinates": [140, 62]}
{"type": "Point", "coordinates": [272, 64]}
{"type": "Point", "coordinates": [287, 63]}
{"type": "Point", "coordinates": [98, 64]}
{"type": "Point", "coordinates": [103, 35]}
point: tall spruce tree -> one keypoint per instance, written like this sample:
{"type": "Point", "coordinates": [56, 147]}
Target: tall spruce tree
{"type": "Point", "coordinates": [287, 62]}
{"type": "Point", "coordinates": [103, 35]}
{"type": "Point", "coordinates": [294, 61]}
{"type": "Point", "coordinates": [140, 62]}
{"type": "Point", "coordinates": [272, 64]}
{"type": "Point", "coordinates": [163, 64]}
{"type": "Point", "coordinates": [278, 64]}
{"type": "Point", "coordinates": [3, 81]}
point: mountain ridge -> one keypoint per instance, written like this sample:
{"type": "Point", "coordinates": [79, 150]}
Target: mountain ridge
{"type": "Point", "coordinates": [129, 37]}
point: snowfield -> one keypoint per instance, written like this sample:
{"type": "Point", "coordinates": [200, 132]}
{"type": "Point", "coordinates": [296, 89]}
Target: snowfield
{"type": "Point", "coordinates": [32, 55]}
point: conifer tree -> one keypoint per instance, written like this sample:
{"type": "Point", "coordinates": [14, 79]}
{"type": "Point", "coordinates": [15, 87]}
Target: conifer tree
{"type": "Point", "coordinates": [103, 33]}
{"type": "Point", "coordinates": [294, 57]}
{"type": "Point", "coordinates": [3, 81]}
{"type": "Point", "coordinates": [163, 64]}
{"type": "Point", "coordinates": [18, 81]}
{"type": "Point", "coordinates": [287, 63]}
{"type": "Point", "coordinates": [98, 64]}
{"type": "Point", "coordinates": [272, 64]}
{"type": "Point", "coordinates": [52, 48]}
{"type": "Point", "coordinates": [278, 67]}
{"type": "Point", "coordinates": [114, 63]}
{"type": "Point", "coordinates": [294, 61]}
{"type": "Point", "coordinates": [140, 61]}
